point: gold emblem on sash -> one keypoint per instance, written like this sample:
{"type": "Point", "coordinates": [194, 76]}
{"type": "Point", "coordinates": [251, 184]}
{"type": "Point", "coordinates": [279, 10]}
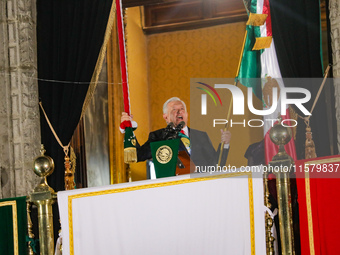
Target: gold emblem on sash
{"type": "Point", "coordinates": [164, 154]}
{"type": "Point", "coordinates": [186, 142]}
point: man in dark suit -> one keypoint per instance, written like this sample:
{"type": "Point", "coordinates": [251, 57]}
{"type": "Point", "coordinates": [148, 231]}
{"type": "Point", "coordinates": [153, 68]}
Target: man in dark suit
{"type": "Point", "coordinates": [198, 146]}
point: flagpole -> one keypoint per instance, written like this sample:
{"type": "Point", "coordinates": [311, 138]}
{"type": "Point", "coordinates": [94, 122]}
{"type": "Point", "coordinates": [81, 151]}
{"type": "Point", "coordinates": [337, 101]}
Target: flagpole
{"type": "Point", "coordinates": [130, 152]}
{"type": "Point", "coordinates": [231, 101]}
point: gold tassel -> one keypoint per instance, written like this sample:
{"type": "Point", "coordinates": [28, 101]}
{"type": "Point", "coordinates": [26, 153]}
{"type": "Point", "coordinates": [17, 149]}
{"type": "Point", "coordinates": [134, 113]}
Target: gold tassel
{"type": "Point", "coordinates": [309, 145]}
{"type": "Point", "coordinates": [256, 19]}
{"type": "Point", "coordinates": [294, 116]}
{"type": "Point", "coordinates": [73, 159]}
{"type": "Point", "coordinates": [130, 155]}
{"type": "Point", "coordinates": [262, 43]}
{"type": "Point", "coordinates": [69, 177]}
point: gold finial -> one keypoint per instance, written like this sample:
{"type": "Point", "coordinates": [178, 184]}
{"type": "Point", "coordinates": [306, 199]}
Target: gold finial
{"type": "Point", "coordinates": [280, 135]}
{"type": "Point", "coordinates": [43, 165]}
{"type": "Point", "coordinates": [42, 150]}
{"type": "Point", "coordinates": [43, 196]}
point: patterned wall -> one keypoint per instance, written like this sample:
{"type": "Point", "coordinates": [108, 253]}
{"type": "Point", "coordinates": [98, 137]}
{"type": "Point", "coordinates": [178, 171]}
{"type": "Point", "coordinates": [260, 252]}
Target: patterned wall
{"type": "Point", "coordinates": [213, 52]}
{"type": "Point", "coordinates": [176, 57]}
{"type": "Point", "coordinates": [171, 60]}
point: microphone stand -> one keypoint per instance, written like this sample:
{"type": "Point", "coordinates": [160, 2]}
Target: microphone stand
{"type": "Point", "coordinates": [170, 133]}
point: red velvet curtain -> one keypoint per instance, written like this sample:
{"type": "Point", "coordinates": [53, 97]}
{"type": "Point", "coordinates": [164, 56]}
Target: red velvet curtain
{"type": "Point", "coordinates": [318, 183]}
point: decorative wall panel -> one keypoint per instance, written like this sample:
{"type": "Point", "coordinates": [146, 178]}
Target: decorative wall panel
{"type": "Point", "coordinates": [176, 57]}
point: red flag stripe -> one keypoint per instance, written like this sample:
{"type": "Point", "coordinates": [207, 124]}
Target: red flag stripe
{"type": "Point", "coordinates": [266, 10]}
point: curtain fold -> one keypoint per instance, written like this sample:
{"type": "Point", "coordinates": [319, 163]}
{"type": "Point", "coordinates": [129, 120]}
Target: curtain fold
{"type": "Point", "coordinates": [70, 34]}
{"type": "Point", "coordinates": [296, 29]}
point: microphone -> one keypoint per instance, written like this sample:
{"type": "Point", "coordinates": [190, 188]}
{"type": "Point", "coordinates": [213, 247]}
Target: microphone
{"type": "Point", "coordinates": [168, 131]}
{"type": "Point", "coordinates": [170, 127]}
{"type": "Point", "coordinates": [180, 126]}
{"type": "Point", "coordinates": [171, 132]}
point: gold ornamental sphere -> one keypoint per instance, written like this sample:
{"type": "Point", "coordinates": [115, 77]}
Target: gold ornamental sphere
{"type": "Point", "coordinates": [279, 134]}
{"type": "Point", "coordinates": [43, 165]}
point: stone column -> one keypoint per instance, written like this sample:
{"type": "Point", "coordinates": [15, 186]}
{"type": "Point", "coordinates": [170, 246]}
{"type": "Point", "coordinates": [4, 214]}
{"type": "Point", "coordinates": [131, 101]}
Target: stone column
{"type": "Point", "coordinates": [19, 112]}
{"type": "Point", "coordinates": [334, 16]}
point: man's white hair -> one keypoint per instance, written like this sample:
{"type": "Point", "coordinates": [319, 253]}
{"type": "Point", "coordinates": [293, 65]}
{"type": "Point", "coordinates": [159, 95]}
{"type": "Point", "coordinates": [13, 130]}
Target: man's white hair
{"type": "Point", "coordinates": [165, 105]}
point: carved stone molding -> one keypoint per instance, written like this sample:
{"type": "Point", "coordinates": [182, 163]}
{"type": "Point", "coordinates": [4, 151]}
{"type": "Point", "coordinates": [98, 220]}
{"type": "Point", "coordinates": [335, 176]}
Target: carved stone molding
{"type": "Point", "coordinates": [334, 16]}
{"type": "Point", "coordinates": [19, 112]}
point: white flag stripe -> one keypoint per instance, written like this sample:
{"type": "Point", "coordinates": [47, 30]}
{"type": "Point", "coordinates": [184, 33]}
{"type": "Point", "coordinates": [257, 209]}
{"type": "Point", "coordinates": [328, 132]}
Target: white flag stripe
{"type": "Point", "coordinates": [259, 6]}
{"type": "Point", "coordinates": [259, 10]}
{"type": "Point", "coordinates": [270, 67]}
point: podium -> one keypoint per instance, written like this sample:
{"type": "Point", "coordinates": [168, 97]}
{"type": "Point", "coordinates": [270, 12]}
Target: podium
{"type": "Point", "coordinates": [164, 155]}
{"type": "Point", "coordinates": [168, 160]}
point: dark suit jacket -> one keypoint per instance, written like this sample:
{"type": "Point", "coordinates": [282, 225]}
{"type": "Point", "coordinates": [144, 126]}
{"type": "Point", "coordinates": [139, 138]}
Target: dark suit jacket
{"type": "Point", "coordinates": [202, 150]}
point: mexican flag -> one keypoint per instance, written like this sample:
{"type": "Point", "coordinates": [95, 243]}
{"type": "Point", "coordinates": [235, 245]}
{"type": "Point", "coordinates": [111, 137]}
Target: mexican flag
{"type": "Point", "coordinates": [260, 70]}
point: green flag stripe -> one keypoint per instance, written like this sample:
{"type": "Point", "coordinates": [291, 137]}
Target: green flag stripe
{"type": "Point", "coordinates": [250, 68]}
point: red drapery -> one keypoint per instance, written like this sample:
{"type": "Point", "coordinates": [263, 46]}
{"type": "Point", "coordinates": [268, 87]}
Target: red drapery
{"type": "Point", "coordinates": [318, 184]}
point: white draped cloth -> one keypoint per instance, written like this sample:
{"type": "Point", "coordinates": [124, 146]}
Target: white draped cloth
{"type": "Point", "coordinates": [178, 215]}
